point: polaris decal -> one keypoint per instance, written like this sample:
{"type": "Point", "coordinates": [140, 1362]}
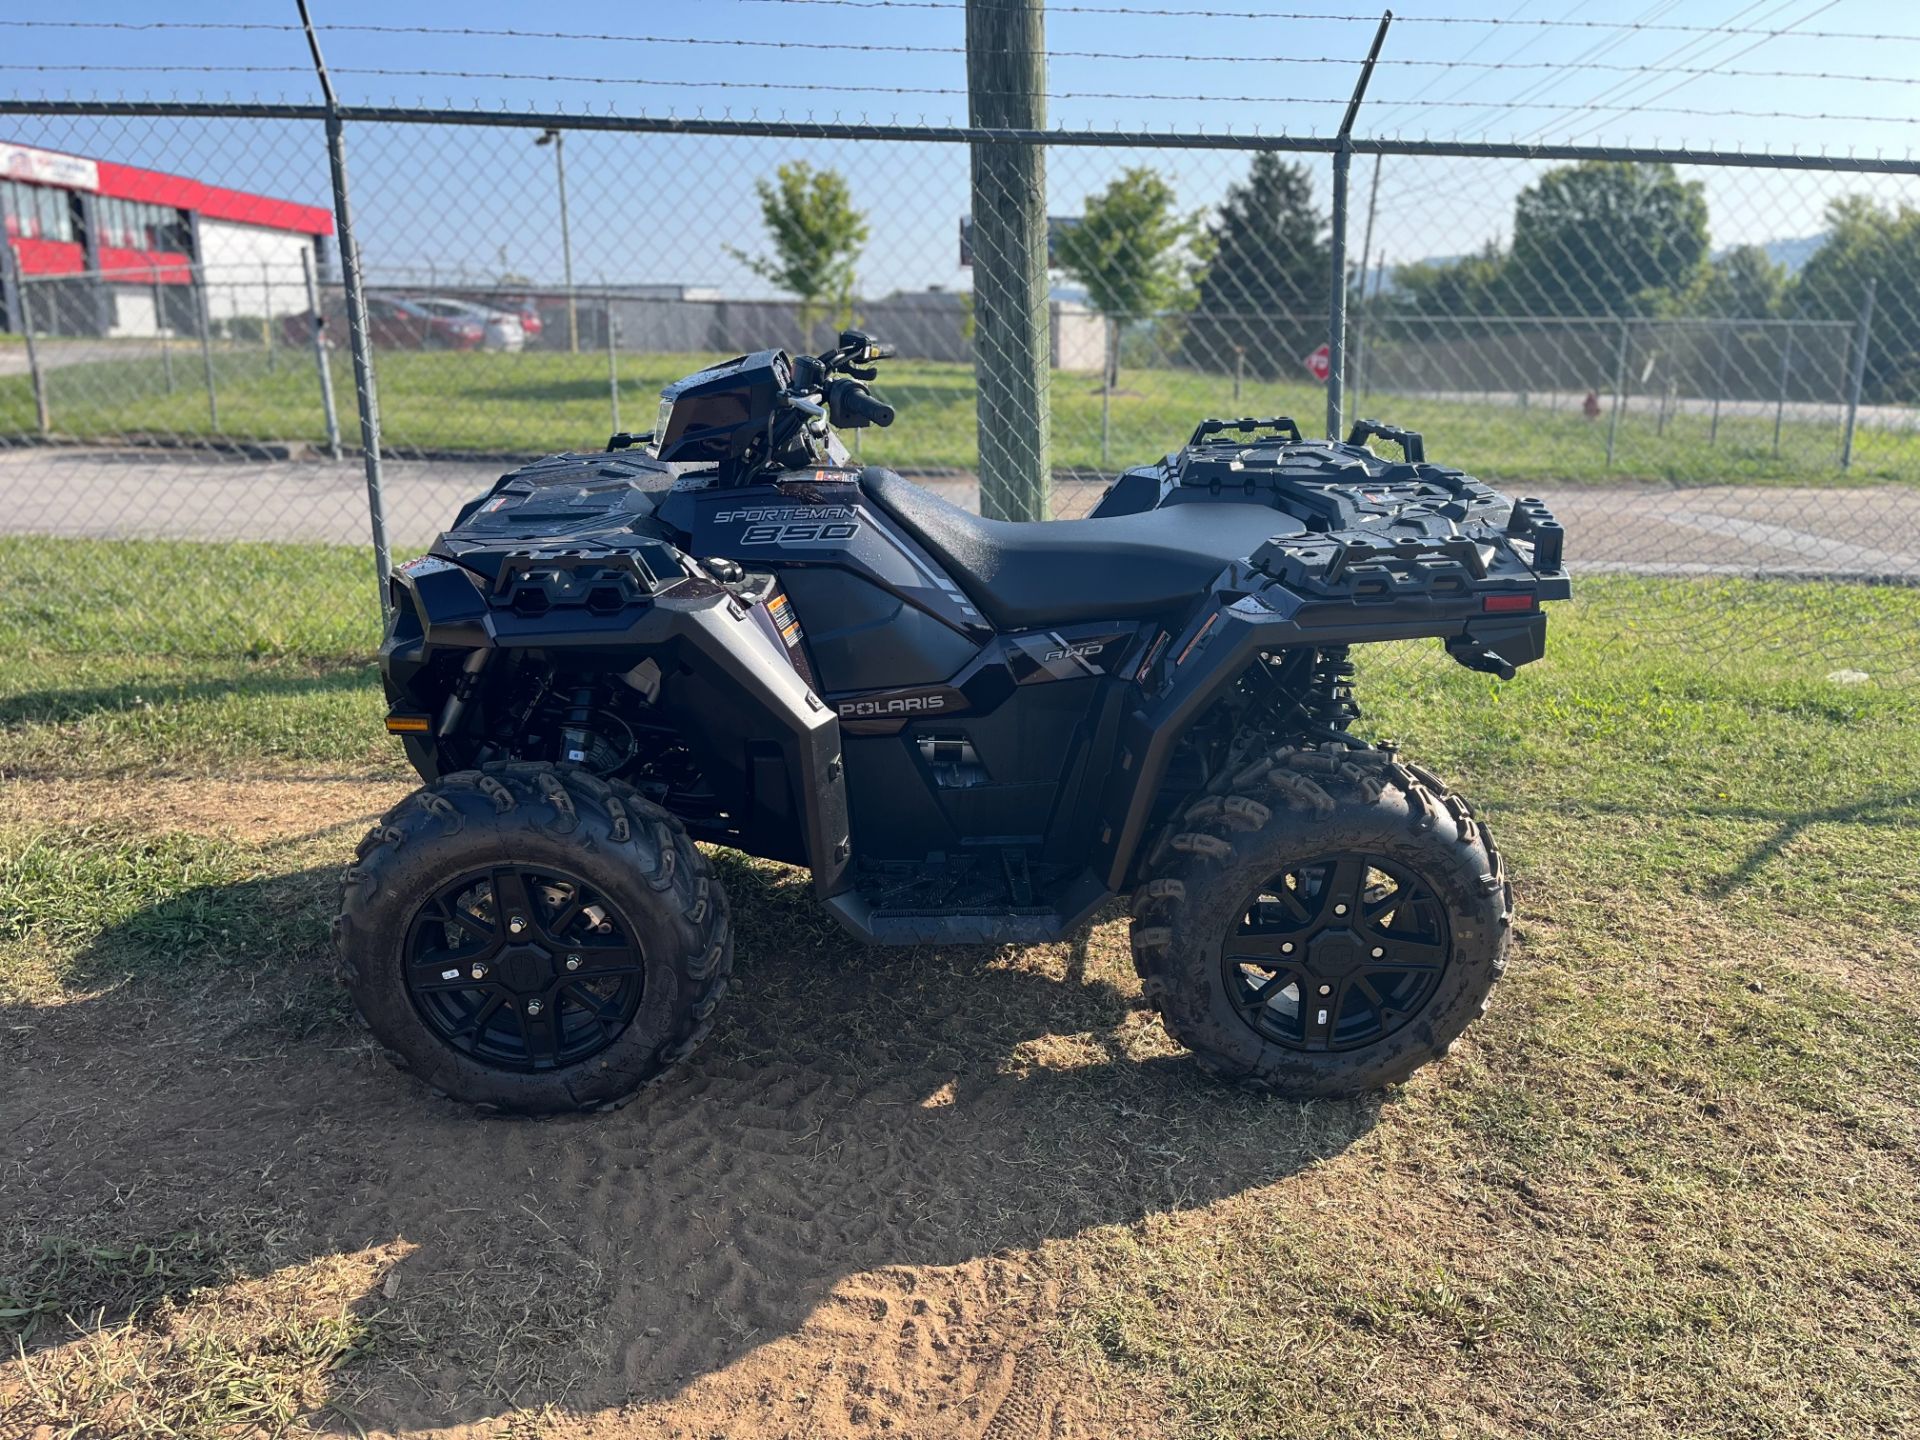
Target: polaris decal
{"type": "Point", "coordinates": [893, 705]}
{"type": "Point", "coordinates": [884, 712]}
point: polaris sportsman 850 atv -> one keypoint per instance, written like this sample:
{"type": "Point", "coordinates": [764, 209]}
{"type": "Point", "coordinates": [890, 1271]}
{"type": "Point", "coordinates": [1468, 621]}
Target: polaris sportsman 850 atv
{"type": "Point", "coordinates": [971, 731]}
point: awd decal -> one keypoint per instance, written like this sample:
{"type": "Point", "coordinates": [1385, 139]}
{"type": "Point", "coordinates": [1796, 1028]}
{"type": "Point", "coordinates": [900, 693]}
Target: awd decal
{"type": "Point", "coordinates": [1081, 650]}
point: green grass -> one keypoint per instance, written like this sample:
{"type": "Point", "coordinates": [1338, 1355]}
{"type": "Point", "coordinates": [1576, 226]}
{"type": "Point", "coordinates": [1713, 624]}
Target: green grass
{"type": "Point", "coordinates": [539, 401]}
{"type": "Point", "coordinates": [187, 598]}
{"type": "Point", "coordinates": [1664, 1188]}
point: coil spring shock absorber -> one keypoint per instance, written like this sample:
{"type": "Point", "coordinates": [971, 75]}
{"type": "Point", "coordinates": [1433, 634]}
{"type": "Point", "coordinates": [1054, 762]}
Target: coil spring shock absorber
{"type": "Point", "coordinates": [1328, 695]}
{"type": "Point", "coordinates": [576, 734]}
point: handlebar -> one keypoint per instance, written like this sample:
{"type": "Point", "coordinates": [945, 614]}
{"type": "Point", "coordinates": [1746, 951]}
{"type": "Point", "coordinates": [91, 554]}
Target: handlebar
{"type": "Point", "coordinates": [851, 405]}
{"type": "Point", "coordinates": [860, 404]}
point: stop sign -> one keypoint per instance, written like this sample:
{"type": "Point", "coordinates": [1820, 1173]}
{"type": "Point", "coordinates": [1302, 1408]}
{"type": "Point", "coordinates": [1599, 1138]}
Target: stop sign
{"type": "Point", "coordinates": [1319, 364]}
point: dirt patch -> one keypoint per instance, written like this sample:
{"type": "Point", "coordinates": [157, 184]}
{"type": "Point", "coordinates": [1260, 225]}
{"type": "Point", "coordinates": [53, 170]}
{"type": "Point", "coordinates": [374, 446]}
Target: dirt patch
{"type": "Point", "coordinates": [841, 1221]}
{"type": "Point", "coordinates": [948, 1193]}
{"type": "Point", "coordinates": [247, 808]}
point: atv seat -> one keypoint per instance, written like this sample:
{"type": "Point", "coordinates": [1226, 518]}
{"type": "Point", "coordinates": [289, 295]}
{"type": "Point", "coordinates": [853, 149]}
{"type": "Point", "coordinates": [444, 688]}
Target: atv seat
{"type": "Point", "coordinates": [1027, 575]}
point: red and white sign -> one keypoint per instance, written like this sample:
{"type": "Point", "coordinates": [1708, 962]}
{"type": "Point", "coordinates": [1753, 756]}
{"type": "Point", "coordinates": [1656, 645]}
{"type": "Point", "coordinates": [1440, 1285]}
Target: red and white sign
{"type": "Point", "coordinates": [1319, 364]}
{"type": "Point", "coordinates": [48, 167]}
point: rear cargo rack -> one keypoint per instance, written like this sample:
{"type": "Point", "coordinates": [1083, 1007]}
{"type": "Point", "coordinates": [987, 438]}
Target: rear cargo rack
{"type": "Point", "coordinates": [1413, 445]}
{"type": "Point", "coordinates": [1282, 425]}
{"type": "Point", "coordinates": [1354, 568]}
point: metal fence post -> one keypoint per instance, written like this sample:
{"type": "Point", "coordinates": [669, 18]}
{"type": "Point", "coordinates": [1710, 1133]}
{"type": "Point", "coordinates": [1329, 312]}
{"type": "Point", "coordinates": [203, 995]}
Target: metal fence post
{"type": "Point", "coordinates": [613, 359]}
{"type": "Point", "coordinates": [317, 319]}
{"type": "Point", "coordinates": [160, 325]}
{"type": "Point", "coordinates": [1337, 299]}
{"type": "Point", "coordinates": [40, 412]}
{"type": "Point", "coordinates": [1859, 374]}
{"type": "Point", "coordinates": [266, 315]}
{"type": "Point", "coordinates": [1337, 308]}
{"type": "Point", "coordinates": [199, 277]}
{"type": "Point", "coordinates": [1110, 346]}
{"type": "Point", "coordinates": [363, 381]}
{"type": "Point", "coordinates": [1780, 401]}
{"type": "Point", "coordinates": [1619, 391]}
{"type": "Point", "coordinates": [1719, 386]}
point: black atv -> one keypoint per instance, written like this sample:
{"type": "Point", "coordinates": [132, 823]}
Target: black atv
{"type": "Point", "coordinates": [971, 731]}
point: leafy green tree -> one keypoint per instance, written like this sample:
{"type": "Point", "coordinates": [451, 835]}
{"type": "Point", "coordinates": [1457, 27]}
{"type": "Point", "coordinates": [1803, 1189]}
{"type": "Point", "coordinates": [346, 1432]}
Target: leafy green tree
{"type": "Point", "coordinates": [1265, 287]}
{"type": "Point", "coordinates": [1133, 251]}
{"type": "Point", "coordinates": [1605, 237]}
{"type": "Point", "coordinates": [1471, 286]}
{"type": "Point", "coordinates": [817, 238]}
{"type": "Point", "coordinates": [1743, 284]}
{"type": "Point", "coordinates": [1866, 241]}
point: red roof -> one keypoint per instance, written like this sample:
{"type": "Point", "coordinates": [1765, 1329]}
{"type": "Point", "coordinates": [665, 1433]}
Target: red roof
{"type": "Point", "coordinates": [212, 202]}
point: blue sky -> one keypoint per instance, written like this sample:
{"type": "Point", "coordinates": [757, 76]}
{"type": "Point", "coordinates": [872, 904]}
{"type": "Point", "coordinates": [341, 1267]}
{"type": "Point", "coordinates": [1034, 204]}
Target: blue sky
{"type": "Point", "coordinates": [666, 208]}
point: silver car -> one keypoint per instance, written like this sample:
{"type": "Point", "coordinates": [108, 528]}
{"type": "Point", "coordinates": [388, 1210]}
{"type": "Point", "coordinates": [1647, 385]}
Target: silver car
{"type": "Point", "coordinates": [503, 331]}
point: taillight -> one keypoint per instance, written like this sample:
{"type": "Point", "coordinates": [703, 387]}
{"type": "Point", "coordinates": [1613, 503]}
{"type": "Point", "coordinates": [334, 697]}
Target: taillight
{"type": "Point", "coordinates": [1506, 604]}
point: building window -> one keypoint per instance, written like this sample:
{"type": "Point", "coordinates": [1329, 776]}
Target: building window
{"type": "Point", "coordinates": [135, 225]}
{"type": "Point", "coordinates": [56, 213]}
{"type": "Point", "coordinates": [23, 212]}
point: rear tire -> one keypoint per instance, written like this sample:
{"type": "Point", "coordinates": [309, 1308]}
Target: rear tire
{"type": "Point", "coordinates": [1238, 943]}
{"type": "Point", "coordinates": [618, 954]}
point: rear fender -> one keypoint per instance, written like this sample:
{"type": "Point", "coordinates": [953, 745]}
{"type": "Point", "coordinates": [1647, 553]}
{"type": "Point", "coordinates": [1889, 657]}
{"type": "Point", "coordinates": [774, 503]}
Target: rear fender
{"type": "Point", "coordinates": [1250, 615]}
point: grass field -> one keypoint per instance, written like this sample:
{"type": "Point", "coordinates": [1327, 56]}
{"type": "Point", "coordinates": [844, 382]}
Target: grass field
{"type": "Point", "coordinates": [1665, 1188]}
{"type": "Point", "coordinates": [539, 401]}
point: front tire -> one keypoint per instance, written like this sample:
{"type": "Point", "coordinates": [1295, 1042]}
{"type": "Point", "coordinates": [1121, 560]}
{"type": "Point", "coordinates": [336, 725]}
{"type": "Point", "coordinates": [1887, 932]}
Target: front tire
{"type": "Point", "coordinates": [532, 939]}
{"type": "Point", "coordinates": [1322, 923]}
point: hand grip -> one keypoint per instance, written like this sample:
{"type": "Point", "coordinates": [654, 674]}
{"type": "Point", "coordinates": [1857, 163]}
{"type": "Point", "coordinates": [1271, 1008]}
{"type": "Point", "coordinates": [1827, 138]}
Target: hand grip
{"type": "Point", "coordinates": [852, 406]}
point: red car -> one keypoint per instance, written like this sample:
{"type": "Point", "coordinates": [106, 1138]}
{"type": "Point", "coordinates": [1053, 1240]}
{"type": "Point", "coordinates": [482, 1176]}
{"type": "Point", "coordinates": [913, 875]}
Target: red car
{"type": "Point", "coordinates": [410, 323]}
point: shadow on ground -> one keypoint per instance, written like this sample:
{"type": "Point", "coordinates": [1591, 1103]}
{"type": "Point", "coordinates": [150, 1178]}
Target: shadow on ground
{"type": "Point", "coordinates": [871, 1150]}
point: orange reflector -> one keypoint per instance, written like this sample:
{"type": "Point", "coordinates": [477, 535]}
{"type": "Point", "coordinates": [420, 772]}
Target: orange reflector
{"type": "Point", "coordinates": [1198, 636]}
{"type": "Point", "coordinates": [1500, 604]}
{"type": "Point", "coordinates": [409, 724]}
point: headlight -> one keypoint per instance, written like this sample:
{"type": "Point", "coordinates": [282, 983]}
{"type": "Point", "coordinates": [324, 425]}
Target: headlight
{"type": "Point", "coordinates": [660, 424]}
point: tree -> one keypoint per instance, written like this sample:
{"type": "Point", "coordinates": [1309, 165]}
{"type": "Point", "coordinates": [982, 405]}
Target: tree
{"type": "Point", "coordinates": [1134, 253]}
{"type": "Point", "coordinates": [817, 237]}
{"type": "Point", "coordinates": [1265, 288]}
{"type": "Point", "coordinates": [1868, 242]}
{"type": "Point", "coordinates": [1743, 284]}
{"type": "Point", "coordinates": [1469, 287]}
{"type": "Point", "coordinates": [1605, 237]}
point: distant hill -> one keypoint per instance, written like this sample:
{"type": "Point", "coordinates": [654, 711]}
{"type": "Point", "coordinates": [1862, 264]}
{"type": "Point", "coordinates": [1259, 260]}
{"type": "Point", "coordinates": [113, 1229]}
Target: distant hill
{"type": "Point", "coordinates": [1793, 254]}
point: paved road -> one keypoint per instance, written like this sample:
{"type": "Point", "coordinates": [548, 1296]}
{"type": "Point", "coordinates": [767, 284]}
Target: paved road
{"type": "Point", "coordinates": [1863, 533]}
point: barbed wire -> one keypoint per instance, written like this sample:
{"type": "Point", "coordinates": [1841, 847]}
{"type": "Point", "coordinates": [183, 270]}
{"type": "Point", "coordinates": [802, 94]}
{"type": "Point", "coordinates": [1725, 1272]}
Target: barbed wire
{"type": "Point", "coordinates": [605, 37]}
{"type": "Point", "coordinates": [1161, 57]}
{"type": "Point", "coordinates": [1626, 88]}
{"type": "Point", "coordinates": [952, 91]}
{"type": "Point", "coordinates": [1372, 18]}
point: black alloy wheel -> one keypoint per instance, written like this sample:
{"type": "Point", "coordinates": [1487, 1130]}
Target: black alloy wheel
{"type": "Point", "coordinates": [1336, 953]}
{"type": "Point", "coordinates": [523, 968]}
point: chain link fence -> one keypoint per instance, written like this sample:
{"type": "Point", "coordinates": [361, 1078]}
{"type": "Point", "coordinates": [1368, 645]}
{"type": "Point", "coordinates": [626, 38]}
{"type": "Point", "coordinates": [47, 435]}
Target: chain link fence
{"type": "Point", "coordinates": [1705, 369]}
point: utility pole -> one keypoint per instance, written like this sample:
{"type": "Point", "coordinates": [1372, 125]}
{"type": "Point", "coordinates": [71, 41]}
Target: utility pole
{"type": "Point", "coordinates": [558, 140]}
{"type": "Point", "coordinates": [1006, 90]}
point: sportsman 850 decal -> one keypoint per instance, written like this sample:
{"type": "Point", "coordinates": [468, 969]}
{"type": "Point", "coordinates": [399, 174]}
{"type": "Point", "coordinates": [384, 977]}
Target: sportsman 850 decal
{"type": "Point", "coordinates": [792, 524]}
